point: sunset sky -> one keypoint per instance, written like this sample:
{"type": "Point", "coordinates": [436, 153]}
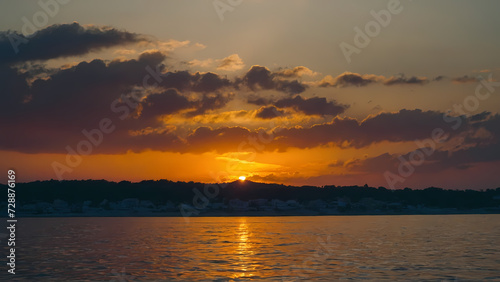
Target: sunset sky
{"type": "Point", "coordinates": [208, 92]}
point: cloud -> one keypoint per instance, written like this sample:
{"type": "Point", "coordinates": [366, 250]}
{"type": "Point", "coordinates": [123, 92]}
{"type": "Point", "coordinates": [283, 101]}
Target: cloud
{"type": "Point", "coordinates": [57, 104]}
{"type": "Point", "coordinates": [171, 101]}
{"type": "Point", "coordinates": [438, 161]}
{"type": "Point", "coordinates": [261, 78]}
{"type": "Point", "coordinates": [464, 79]}
{"type": "Point", "coordinates": [125, 52]}
{"type": "Point", "coordinates": [347, 79]}
{"type": "Point", "coordinates": [208, 82]}
{"type": "Point", "coordinates": [55, 118]}
{"type": "Point", "coordinates": [210, 102]}
{"type": "Point", "coordinates": [62, 40]}
{"type": "Point", "coordinates": [168, 46]}
{"type": "Point", "coordinates": [269, 112]}
{"type": "Point", "coordinates": [473, 149]}
{"type": "Point", "coordinates": [152, 57]}
{"type": "Point", "coordinates": [402, 126]}
{"type": "Point", "coordinates": [259, 101]}
{"type": "Point", "coordinates": [185, 81]}
{"type": "Point", "coordinates": [201, 63]}
{"type": "Point", "coordinates": [231, 63]}
{"type": "Point", "coordinates": [290, 87]}
{"type": "Point", "coordinates": [312, 106]}
{"type": "Point", "coordinates": [173, 44]}
{"type": "Point", "coordinates": [296, 72]}
{"type": "Point", "coordinates": [164, 103]}
{"type": "Point", "coordinates": [14, 87]}
{"type": "Point", "coordinates": [58, 107]}
{"type": "Point", "coordinates": [402, 79]}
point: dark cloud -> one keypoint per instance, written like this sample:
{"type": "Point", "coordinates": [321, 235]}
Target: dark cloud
{"type": "Point", "coordinates": [61, 40]}
{"type": "Point", "coordinates": [261, 78]}
{"type": "Point", "coordinates": [438, 161]}
{"type": "Point", "coordinates": [464, 79]}
{"type": "Point", "coordinates": [355, 79]}
{"type": "Point", "coordinates": [393, 80]}
{"type": "Point", "coordinates": [269, 112]}
{"type": "Point", "coordinates": [350, 79]}
{"type": "Point", "coordinates": [406, 125]}
{"type": "Point", "coordinates": [208, 82]}
{"type": "Point", "coordinates": [296, 72]}
{"type": "Point", "coordinates": [165, 103]}
{"type": "Point", "coordinates": [469, 153]}
{"type": "Point", "coordinates": [68, 101]}
{"type": "Point", "coordinates": [152, 57]}
{"type": "Point", "coordinates": [46, 114]}
{"type": "Point", "coordinates": [210, 102]}
{"type": "Point", "coordinates": [171, 101]}
{"type": "Point", "coordinates": [481, 116]}
{"type": "Point", "coordinates": [259, 101]}
{"type": "Point", "coordinates": [290, 87]}
{"type": "Point", "coordinates": [403, 126]}
{"type": "Point", "coordinates": [13, 86]}
{"type": "Point", "coordinates": [311, 106]}
{"type": "Point", "coordinates": [197, 82]}
{"type": "Point", "coordinates": [55, 109]}
{"type": "Point", "coordinates": [489, 122]}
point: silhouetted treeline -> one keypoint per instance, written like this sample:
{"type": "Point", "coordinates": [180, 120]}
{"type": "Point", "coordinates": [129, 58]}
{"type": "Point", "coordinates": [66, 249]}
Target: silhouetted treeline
{"type": "Point", "coordinates": [182, 192]}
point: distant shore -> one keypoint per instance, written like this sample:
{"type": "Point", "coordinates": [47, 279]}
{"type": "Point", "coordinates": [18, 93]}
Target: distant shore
{"type": "Point", "coordinates": [163, 198]}
{"type": "Point", "coordinates": [269, 213]}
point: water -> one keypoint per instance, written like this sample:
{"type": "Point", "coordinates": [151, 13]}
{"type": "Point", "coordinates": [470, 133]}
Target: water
{"type": "Point", "coordinates": [329, 248]}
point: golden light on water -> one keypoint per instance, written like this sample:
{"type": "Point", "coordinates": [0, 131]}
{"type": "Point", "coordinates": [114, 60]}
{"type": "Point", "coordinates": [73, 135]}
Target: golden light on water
{"type": "Point", "coordinates": [244, 252]}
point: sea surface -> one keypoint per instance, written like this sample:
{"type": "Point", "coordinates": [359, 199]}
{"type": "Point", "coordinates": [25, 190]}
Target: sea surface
{"type": "Point", "coordinates": [322, 248]}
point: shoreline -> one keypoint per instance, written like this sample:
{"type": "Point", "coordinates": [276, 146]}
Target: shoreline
{"type": "Point", "coordinates": [263, 214]}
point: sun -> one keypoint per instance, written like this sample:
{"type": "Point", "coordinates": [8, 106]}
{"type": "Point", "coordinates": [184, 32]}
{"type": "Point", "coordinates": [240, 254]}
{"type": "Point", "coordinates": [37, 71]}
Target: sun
{"type": "Point", "coordinates": [242, 178]}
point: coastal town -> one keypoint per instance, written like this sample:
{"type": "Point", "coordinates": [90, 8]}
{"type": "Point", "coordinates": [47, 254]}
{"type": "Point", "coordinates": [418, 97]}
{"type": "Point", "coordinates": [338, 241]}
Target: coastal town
{"type": "Point", "coordinates": [244, 199]}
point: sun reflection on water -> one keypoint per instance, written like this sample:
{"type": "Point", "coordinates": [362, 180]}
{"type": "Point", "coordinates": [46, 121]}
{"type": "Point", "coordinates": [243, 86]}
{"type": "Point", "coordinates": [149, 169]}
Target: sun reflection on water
{"type": "Point", "coordinates": [244, 251]}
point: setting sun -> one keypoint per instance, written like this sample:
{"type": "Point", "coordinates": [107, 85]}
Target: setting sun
{"type": "Point", "coordinates": [242, 178]}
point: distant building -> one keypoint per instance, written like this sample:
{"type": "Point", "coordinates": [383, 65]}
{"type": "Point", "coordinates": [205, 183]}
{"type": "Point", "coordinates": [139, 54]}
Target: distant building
{"type": "Point", "coordinates": [130, 203]}
{"type": "Point", "coordinates": [317, 204]}
{"type": "Point", "coordinates": [146, 204]}
{"type": "Point", "coordinates": [60, 205]}
{"type": "Point", "coordinates": [238, 205]}
{"type": "Point", "coordinates": [217, 206]}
